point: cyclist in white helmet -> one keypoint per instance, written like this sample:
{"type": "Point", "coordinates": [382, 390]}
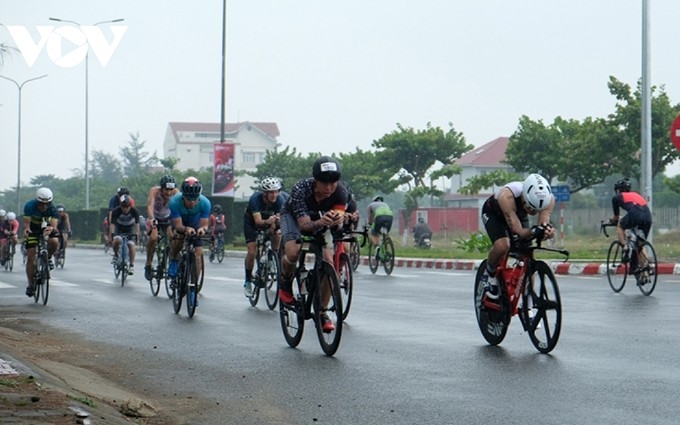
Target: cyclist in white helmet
{"type": "Point", "coordinates": [36, 212]}
{"type": "Point", "coordinates": [506, 216]}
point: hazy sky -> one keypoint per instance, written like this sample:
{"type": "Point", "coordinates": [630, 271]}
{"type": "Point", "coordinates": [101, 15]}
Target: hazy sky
{"type": "Point", "coordinates": [334, 75]}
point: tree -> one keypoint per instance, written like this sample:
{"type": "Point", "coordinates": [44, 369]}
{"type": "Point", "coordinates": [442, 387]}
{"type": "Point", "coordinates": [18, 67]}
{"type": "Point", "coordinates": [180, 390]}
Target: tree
{"type": "Point", "coordinates": [362, 172]}
{"type": "Point", "coordinates": [409, 156]}
{"type": "Point", "coordinates": [135, 160]}
{"type": "Point", "coordinates": [287, 165]}
{"type": "Point", "coordinates": [488, 180]}
{"type": "Point", "coordinates": [536, 148]}
{"type": "Point", "coordinates": [106, 167]}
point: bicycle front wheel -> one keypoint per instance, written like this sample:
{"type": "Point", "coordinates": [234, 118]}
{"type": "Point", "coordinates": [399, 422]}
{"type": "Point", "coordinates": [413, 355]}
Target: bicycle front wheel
{"type": "Point", "coordinates": [327, 283]}
{"type": "Point", "coordinates": [646, 277]}
{"type": "Point", "coordinates": [271, 289]}
{"type": "Point", "coordinates": [192, 278]}
{"type": "Point", "coordinates": [178, 286]}
{"type": "Point", "coordinates": [372, 258]}
{"type": "Point", "coordinates": [201, 276]}
{"type": "Point", "coordinates": [44, 279]}
{"type": "Point", "coordinates": [617, 269]}
{"type": "Point", "coordinates": [492, 323]}
{"type": "Point", "coordinates": [346, 281]}
{"type": "Point", "coordinates": [388, 255]}
{"type": "Point", "coordinates": [542, 308]}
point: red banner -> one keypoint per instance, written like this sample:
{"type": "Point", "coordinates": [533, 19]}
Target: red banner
{"type": "Point", "coordinates": [223, 170]}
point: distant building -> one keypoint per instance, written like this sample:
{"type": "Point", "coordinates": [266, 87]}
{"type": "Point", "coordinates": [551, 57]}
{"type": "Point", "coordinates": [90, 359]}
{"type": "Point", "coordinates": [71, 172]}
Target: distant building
{"type": "Point", "coordinates": [192, 143]}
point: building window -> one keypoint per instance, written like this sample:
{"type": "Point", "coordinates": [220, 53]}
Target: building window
{"type": "Point", "coordinates": [248, 158]}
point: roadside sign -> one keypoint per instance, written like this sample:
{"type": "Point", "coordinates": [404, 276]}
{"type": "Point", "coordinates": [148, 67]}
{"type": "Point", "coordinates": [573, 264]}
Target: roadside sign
{"type": "Point", "coordinates": [675, 132]}
{"type": "Point", "coordinates": [561, 193]}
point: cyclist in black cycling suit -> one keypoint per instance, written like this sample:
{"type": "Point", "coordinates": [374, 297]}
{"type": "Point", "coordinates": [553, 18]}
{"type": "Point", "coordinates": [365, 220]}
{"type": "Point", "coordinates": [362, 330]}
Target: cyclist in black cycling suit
{"type": "Point", "coordinates": [63, 226]}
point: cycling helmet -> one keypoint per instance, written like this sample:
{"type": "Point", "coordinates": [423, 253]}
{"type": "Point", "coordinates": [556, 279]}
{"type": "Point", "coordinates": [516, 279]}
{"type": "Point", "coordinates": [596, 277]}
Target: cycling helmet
{"type": "Point", "coordinates": [44, 195]}
{"type": "Point", "coordinates": [191, 188]}
{"type": "Point", "coordinates": [123, 191]}
{"type": "Point", "coordinates": [125, 201]}
{"type": "Point", "coordinates": [3, 213]}
{"type": "Point", "coordinates": [326, 169]}
{"type": "Point", "coordinates": [536, 192]}
{"type": "Point", "coordinates": [11, 216]}
{"type": "Point", "coordinates": [270, 184]}
{"type": "Point", "coordinates": [378, 199]}
{"type": "Point", "coordinates": [167, 182]}
{"type": "Point", "coordinates": [217, 209]}
{"type": "Point", "coordinates": [622, 185]}
{"type": "Point", "coordinates": [61, 208]}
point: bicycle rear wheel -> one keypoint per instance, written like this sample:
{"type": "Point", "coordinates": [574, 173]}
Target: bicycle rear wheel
{"type": "Point", "coordinates": [271, 288]}
{"type": "Point", "coordinates": [346, 281]}
{"type": "Point", "coordinates": [220, 250]}
{"type": "Point", "coordinates": [327, 280]}
{"type": "Point", "coordinates": [354, 254]}
{"type": "Point", "coordinates": [646, 277]}
{"type": "Point", "coordinates": [492, 324]}
{"type": "Point", "coordinates": [388, 255]}
{"type": "Point", "coordinates": [541, 311]}
{"type": "Point", "coordinates": [372, 258]}
{"type": "Point", "coordinates": [292, 316]}
{"type": "Point", "coordinates": [617, 270]}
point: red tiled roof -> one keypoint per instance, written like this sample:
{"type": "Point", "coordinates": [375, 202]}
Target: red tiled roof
{"type": "Point", "coordinates": [269, 128]}
{"type": "Point", "coordinates": [488, 155]}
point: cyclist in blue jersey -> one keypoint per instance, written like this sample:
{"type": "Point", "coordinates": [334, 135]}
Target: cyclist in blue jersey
{"type": "Point", "coordinates": [40, 218]}
{"type": "Point", "coordinates": [262, 212]}
{"type": "Point", "coordinates": [189, 215]}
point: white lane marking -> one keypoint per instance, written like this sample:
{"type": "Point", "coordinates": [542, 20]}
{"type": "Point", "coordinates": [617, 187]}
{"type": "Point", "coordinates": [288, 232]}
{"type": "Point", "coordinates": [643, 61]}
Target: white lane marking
{"type": "Point", "coordinates": [61, 283]}
{"type": "Point", "coordinates": [4, 285]}
{"type": "Point", "coordinates": [224, 279]}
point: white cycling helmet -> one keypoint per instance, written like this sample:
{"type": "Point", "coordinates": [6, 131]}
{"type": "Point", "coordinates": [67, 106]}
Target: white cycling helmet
{"type": "Point", "coordinates": [270, 184]}
{"type": "Point", "coordinates": [11, 216]}
{"type": "Point", "coordinates": [3, 213]}
{"type": "Point", "coordinates": [44, 195]}
{"type": "Point", "coordinates": [536, 192]}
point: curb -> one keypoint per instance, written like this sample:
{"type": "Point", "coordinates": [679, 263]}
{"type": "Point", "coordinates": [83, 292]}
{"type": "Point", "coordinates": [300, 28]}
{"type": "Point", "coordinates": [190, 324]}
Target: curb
{"type": "Point", "coordinates": [558, 267]}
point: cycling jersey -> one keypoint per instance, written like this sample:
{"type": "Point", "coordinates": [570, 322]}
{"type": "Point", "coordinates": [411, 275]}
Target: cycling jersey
{"type": "Point", "coordinates": [493, 218]}
{"type": "Point", "coordinates": [124, 222]}
{"type": "Point", "coordinates": [160, 207]}
{"type": "Point", "coordinates": [637, 211]}
{"type": "Point", "coordinates": [257, 204]}
{"type": "Point", "coordinates": [37, 217]}
{"type": "Point", "coordinates": [302, 203]}
{"type": "Point", "coordinates": [191, 217]}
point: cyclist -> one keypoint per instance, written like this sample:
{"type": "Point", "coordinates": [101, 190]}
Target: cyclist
{"type": "Point", "coordinates": [505, 215]}
{"type": "Point", "coordinates": [315, 204]}
{"type": "Point", "coordinates": [217, 225]}
{"type": "Point", "coordinates": [262, 212]}
{"type": "Point", "coordinates": [189, 215]}
{"type": "Point", "coordinates": [125, 220]}
{"type": "Point", "coordinates": [637, 213]}
{"type": "Point", "coordinates": [37, 212]}
{"type": "Point", "coordinates": [379, 215]}
{"type": "Point", "coordinates": [158, 213]}
{"type": "Point", "coordinates": [63, 226]}
{"type": "Point", "coordinates": [9, 229]}
{"type": "Point", "coordinates": [3, 216]}
{"type": "Point", "coordinates": [351, 216]}
{"type": "Point", "coordinates": [113, 203]}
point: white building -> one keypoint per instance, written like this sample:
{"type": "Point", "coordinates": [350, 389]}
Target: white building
{"type": "Point", "coordinates": [192, 143]}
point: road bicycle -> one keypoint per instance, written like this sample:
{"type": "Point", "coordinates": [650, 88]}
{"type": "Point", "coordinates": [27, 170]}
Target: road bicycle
{"type": "Point", "coordinates": [622, 262]}
{"type": "Point", "coordinates": [217, 248]}
{"type": "Point", "coordinates": [307, 291]}
{"type": "Point", "coordinates": [266, 276]}
{"type": "Point", "coordinates": [121, 266]}
{"type": "Point", "coordinates": [60, 255]}
{"type": "Point", "coordinates": [383, 253]}
{"type": "Point", "coordinates": [528, 288]}
{"type": "Point", "coordinates": [188, 280]}
{"type": "Point", "coordinates": [160, 272]}
{"type": "Point", "coordinates": [342, 262]}
{"type": "Point", "coordinates": [41, 274]}
{"type": "Point", "coordinates": [8, 261]}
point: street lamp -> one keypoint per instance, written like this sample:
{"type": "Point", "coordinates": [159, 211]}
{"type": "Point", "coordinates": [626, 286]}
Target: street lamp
{"type": "Point", "coordinates": [87, 119]}
{"type": "Point", "coordinates": [19, 87]}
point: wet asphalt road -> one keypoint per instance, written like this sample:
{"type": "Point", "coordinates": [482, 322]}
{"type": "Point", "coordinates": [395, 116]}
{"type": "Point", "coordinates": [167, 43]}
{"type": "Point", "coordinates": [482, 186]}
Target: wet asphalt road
{"type": "Point", "coordinates": [411, 351]}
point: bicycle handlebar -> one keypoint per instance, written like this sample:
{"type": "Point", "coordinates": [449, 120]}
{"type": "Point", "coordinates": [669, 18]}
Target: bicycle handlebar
{"type": "Point", "coordinates": [604, 225]}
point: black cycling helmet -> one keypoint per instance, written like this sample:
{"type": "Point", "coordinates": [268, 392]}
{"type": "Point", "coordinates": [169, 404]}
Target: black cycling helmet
{"type": "Point", "coordinates": [123, 191]}
{"type": "Point", "coordinates": [167, 182]}
{"type": "Point", "coordinates": [217, 209]}
{"type": "Point", "coordinates": [378, 199]}
{"type": "Point", "coordinates": [191, 188]}
{"type": "Point", "coordinates": [622, 185]}
{"type": "Point", "coordinates": [61, 208]}
{"type": "Point", "coordinates": [125, 201]}
{"type": "Point", "coordinates": [326, 169]}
